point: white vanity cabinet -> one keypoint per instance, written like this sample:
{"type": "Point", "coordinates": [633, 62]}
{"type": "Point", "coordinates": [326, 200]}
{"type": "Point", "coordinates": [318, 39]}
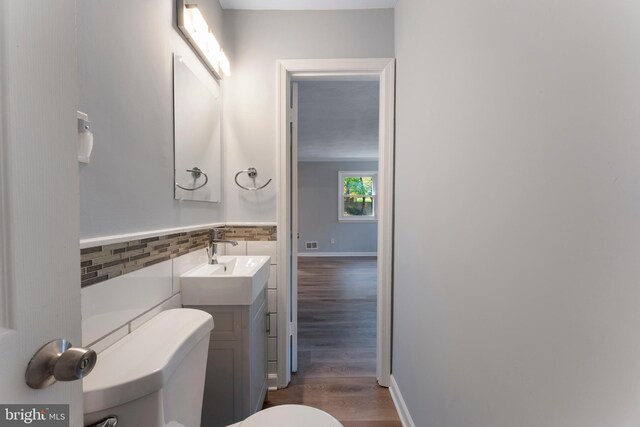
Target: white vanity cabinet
{"type": "Point", "coordinates": [236, 378]}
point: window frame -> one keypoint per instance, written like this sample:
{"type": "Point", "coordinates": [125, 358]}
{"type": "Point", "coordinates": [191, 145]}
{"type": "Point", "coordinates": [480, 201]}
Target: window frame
{"type": "Point", "coordinates": [357, 174]}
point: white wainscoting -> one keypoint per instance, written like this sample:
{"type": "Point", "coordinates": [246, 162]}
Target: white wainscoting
{"type": "Point", "coordinates": [109, 305]}
{"type": "Point", "coordinates": [114, 308]}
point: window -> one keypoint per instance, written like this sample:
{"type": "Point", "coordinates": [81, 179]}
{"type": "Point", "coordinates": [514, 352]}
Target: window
{"type": "Point", "coordinates": [357, 196]}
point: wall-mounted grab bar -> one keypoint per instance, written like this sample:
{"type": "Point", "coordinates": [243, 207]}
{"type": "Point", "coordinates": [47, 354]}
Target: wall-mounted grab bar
{"type": "Point", "coordinates": [196, 173]}
{"type": "Point", "coordinates": [253, 173]}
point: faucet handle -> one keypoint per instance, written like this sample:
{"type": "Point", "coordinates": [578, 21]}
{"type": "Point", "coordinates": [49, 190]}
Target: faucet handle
{"type": "Point", "coordinates": [215, 232]}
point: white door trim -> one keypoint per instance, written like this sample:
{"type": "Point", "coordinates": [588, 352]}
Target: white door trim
{"type": "Point", "coordinates": [384, 69]}
{"type": "Point", "coordinates": [4, 292]}
{"type": "Point", "coordinates": [293, 119]}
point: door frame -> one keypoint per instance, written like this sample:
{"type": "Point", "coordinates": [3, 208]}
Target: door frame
{"type": "Point", "coordinates": [4, 292]}
{"type": "Point", "coordinates": [295, 232]}
{"type": "Point", "coordinates": [384, 69]}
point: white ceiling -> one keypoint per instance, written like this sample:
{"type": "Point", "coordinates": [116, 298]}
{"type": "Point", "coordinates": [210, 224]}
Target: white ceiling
{"type": "Point", "coordinates": [338, 120]}
{"type": "Point", "coordinates": [307, 4]}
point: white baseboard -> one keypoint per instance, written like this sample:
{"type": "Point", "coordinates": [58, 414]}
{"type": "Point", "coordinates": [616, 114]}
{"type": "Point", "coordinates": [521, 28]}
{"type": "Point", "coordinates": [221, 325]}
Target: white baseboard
{"type": "Point", "coordinates": [401, 407]}
{"type": "Point", "coordinates": [272, 382]}
{"type": "Point", "coordinates": [336, 254]}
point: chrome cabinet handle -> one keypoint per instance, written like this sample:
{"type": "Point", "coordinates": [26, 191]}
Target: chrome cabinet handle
{"type": "Point", "coordinates": [268, 324]}
{"type": "Point", "coordinates": [59, 361]}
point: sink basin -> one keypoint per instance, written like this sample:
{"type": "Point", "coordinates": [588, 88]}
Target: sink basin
{"type": "Point", "coordinates": [236, 280]}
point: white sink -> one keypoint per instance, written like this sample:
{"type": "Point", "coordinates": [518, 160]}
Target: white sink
{"type": "Point", "coordinates": [235, 280]}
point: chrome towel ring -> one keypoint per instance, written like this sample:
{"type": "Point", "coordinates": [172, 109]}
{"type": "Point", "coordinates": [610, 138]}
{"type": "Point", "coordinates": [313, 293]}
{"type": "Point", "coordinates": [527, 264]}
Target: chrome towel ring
{"type": "Point", "coordinates": [196, 173]}
{"type": "Point", "coordinates": [253, 173]}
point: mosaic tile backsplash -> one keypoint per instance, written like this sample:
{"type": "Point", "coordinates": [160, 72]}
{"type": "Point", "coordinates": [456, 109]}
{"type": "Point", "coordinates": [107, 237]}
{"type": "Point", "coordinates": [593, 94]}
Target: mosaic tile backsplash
{"type": "Point", "coordinates": [253, 233]}
{"type": "Point", "coordinates": [100, 263]}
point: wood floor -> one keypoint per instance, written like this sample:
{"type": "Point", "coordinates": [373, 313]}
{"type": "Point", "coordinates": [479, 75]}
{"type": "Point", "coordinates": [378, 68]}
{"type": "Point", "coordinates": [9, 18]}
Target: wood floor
{"type": "Point", "coordinates": [337, 344]}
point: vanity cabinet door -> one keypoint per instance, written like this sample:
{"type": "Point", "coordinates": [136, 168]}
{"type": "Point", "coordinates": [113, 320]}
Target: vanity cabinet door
{"type": "Point", "coordinates": [258, 358]}
{"type": "Point", "coordinates": [223, 402]}
{"type": "Point", "coordinates": [236, 378]}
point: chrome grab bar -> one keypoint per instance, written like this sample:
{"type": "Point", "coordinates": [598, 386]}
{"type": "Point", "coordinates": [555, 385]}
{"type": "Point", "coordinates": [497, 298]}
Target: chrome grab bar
{"type": "Point", "coordinates": [196, 173]}
{"type": "Point", "coordinates": [253, 173]}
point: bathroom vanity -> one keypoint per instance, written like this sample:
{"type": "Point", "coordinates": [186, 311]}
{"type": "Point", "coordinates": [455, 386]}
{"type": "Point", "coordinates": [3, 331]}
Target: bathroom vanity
{"type": "Point", "coordinates": [235, 294]}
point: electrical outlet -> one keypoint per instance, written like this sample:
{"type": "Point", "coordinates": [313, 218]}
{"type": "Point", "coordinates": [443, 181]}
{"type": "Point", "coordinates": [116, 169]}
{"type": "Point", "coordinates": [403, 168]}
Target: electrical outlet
{"type": "Point", "coordinates": [333, 240]}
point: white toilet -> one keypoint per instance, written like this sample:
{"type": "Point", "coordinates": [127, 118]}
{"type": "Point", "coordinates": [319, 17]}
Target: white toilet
{"type": "Point", "coordinates": [290, 416]}
{"type": "Point", "coordinates": [154, 377]}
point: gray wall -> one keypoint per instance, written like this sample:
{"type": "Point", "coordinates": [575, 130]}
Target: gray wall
{"type": "Point", "coordinates": [516, 249]}
{"type": "Point", "coordinates": [318, 210]}
{"type": "Point", "coordinates": [256, 39]}
{"type": "Point", "coordinates": [128, 186]}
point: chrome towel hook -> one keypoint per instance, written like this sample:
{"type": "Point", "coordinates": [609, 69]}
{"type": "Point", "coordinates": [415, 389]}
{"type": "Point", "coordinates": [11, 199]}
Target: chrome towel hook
{"type": "Point", "coordinates": [253, 173]}
{"type": "Point", "coordinates": [196, 173]}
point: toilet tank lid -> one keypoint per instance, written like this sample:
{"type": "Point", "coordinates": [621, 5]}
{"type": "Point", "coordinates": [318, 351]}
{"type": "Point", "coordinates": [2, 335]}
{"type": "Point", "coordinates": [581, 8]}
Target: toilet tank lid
{"type": "Point", "coordinates": [143, 361]}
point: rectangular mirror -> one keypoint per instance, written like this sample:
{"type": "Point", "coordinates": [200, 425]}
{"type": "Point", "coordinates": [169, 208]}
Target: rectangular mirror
{"type": "Point", "coordinates": [196, 120]}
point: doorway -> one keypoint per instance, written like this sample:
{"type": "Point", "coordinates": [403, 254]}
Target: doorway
{"type": "Point", "coordinates": [336, 122]}
{"type": "Point", "coordinates": [381, 71]}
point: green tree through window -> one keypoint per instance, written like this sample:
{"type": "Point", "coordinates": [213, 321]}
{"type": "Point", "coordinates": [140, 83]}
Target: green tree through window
{"type": "Point", "coordinates": [358, 196]}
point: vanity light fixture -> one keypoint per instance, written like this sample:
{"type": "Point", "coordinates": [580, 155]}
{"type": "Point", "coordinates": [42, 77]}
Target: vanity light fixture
{"type": "Point", "coordinates": [197, 31]}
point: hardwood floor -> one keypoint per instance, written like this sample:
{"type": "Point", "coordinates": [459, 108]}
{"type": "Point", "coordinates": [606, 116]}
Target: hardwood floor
{"type": "Point", "coordinates": [337, 344]}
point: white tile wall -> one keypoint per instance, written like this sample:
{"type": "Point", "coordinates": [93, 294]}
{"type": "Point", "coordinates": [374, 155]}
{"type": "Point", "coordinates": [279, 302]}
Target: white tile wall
{"type": "Point", "coordinates": [273, 277]}
{"type": "Point", "coordinates": [272, 353]}
{"type": "Point", "coordinates": [272, 300]}
{"type": "Point", "coordinates": [173, 302]}
{"type": "Point", "coordinates": [239, 250]}
{"type": "Point", "coordinates": [110, 339]}
{"type": "Point", "coordinates": [109, 305]}
{"type": "Point", "coordinates": [264, 248]}
{"type": "Point", "coordinates": [273, 326]}
{"type": "Point", "coordinates": [270, 249]}
{"type": "Point", "coordinates": [116, 307]}
{"type": "Point", "coordinates": [272, 367]}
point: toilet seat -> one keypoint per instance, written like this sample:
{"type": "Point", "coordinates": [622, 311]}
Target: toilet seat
{"type": "Point", "coordinates": [291, 416]}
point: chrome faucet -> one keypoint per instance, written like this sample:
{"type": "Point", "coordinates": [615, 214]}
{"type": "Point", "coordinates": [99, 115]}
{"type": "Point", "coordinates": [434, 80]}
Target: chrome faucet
{"type": "Point", "coordinates": [214, 241]}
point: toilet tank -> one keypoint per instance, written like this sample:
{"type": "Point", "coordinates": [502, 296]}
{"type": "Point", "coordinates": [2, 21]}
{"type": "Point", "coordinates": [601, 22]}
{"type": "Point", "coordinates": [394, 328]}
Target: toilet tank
{"type": "Point", "coordinates": [153, 377]}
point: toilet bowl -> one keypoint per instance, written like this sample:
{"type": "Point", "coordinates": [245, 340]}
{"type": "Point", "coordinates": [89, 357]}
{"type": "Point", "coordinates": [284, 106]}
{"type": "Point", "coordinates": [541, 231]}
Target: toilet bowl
{"type": "Point", "coordinates": [153, 377]}
{"type": "Point", "coordinates": [290, 416]}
